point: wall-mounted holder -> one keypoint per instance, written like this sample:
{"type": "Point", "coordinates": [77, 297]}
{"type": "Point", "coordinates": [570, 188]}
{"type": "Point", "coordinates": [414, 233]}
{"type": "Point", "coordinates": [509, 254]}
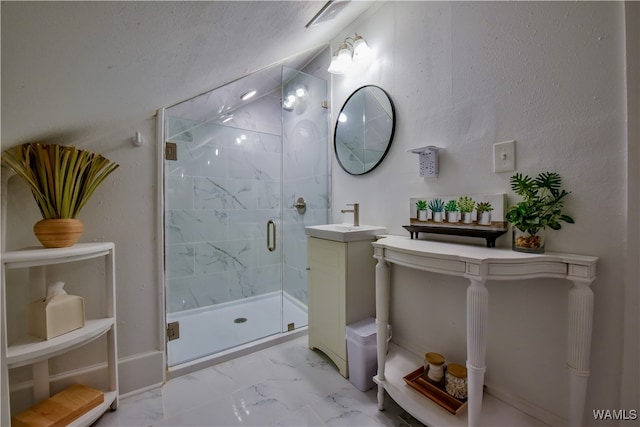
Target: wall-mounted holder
{"type": "Point", "coordinates": [428, 160]}
{"type": "Point", "coordinates": [138, 140]}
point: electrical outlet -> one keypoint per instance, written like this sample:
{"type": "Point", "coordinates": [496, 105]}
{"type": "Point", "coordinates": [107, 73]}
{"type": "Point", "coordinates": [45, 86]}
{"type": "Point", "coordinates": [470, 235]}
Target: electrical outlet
{"type": "Point", "coordinates": [429, 163]}
{"type": "Point", "coordinates": [504, 156]}
{"type": "Point", "coordinates": [428, 159]}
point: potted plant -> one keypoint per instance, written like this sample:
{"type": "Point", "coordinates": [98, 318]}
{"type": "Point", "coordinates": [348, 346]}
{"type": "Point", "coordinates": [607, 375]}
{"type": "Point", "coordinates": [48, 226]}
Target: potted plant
{"type": "Point", "coordinates": [484, 212]}
{"type": "Point", "coordinates": [541, 207]}
{"type": "Point", "coordinates": [437, 207]}
{"type": "Point", "coordinates": [452, 211]}
{"type": "Point", "coordinates": [466, 205]}
{"type": "Point", "coordinates": [61, 179]}
{"type": "Point", "coordinates": [421, 206]}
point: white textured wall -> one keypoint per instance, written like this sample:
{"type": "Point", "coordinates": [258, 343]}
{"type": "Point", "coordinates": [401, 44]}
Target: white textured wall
{"type": "Point", "coordinates": [464, 76]}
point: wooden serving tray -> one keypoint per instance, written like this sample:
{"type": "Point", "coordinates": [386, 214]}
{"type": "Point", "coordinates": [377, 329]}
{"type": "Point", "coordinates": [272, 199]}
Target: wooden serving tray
{"type": "Point", "coordinates": [439, 395]}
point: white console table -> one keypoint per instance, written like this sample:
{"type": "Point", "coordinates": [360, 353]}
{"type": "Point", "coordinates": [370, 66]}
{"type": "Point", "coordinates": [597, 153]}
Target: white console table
{"type": "Point", "coordinates": [479, 264]}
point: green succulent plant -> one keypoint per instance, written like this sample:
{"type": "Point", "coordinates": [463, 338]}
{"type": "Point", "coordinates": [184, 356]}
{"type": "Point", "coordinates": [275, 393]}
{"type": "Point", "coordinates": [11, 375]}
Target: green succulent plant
{"type": "Point", "coordinates": [436, 205]}
{"type": "Point", "coordinates": [541, 207]}
{"type": "Point", "coordinates": [466, 204]}
{"type": "Point", "coordinates": [421, 205]}
{"type": "Point", "coordinates": [451, 206]}
{"type": "Point", "coordinates": [483, 207]}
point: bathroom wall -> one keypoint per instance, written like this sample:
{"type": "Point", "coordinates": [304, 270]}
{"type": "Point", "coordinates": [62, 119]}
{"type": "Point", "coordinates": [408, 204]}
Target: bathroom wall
{"type": "Point", "coordinates": [466, 75]}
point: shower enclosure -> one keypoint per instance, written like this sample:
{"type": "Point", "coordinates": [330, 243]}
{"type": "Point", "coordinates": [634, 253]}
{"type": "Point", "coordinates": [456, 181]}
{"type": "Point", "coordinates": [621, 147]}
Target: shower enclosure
{"type": "Point", "coordinates": [242, 178]}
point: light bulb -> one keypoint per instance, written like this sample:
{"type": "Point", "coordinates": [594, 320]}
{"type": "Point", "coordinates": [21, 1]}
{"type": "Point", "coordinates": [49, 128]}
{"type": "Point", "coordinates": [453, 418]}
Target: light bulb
{"type": "Point", "coordinates": [361, 49]}
{"type": "Point", "coordinates": [248, 95]}
{"type": "Point", "coordinates": [341, 62]}
{"type": "Point", "coordinates": [301, 92]}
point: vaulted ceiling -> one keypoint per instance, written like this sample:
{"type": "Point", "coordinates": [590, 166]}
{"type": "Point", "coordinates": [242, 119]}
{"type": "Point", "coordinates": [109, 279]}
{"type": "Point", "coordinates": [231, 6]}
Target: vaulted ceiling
{"type": "Point", "coordinates": [71, 69]}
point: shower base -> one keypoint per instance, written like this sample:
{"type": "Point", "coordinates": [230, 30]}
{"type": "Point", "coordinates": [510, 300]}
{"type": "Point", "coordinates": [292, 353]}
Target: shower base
{"type": "Point", "coordinates": [213, 335]}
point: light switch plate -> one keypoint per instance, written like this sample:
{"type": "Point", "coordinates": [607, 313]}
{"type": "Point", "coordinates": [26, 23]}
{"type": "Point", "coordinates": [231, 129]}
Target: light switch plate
{"type": "Point", "coordinates": [504, 156]}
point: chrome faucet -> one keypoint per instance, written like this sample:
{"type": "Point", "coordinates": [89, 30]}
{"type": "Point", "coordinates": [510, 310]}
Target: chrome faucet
{"type": "Point", "coordinates": [356, 213]}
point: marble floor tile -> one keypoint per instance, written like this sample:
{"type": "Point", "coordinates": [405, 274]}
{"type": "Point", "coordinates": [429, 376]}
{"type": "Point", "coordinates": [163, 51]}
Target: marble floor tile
{"type": "Point", "coordinates": [284, 385]}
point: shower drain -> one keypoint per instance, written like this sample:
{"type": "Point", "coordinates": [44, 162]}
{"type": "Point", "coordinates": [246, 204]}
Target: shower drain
{"type": "Point", "coordinates": [240, 320]}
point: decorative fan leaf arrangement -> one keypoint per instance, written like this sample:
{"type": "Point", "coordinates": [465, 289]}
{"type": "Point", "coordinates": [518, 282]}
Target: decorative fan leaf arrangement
{"type": "Point", "coordinates": [61, 178]}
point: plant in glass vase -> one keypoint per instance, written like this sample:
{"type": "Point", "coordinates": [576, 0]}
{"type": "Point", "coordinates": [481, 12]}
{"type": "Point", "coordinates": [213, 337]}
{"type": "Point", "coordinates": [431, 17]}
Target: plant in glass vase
{"type": "Point", "coordinates": [541, 207]}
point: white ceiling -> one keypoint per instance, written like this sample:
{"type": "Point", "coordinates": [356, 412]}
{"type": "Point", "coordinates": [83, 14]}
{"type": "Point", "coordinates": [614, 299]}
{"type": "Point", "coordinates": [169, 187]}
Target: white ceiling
{"type": "Point", "coordinates": [74, 69]}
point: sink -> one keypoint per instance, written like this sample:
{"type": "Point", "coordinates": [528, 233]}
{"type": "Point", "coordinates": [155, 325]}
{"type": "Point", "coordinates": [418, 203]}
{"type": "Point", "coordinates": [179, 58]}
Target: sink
{"type": "Point", "coordinates": [344, 232]}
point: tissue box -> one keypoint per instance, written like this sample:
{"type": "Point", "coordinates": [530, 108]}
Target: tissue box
{"type": "Point", "coordinates": [55, 316]}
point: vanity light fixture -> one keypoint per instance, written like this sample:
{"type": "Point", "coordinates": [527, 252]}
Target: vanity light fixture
{"type": "Point", "coordinates": [248, 95]}
{"type": "Point", "coordinates": [350, 50]}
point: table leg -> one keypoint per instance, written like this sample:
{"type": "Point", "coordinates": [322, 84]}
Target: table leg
{"type": "Point", "coordinates": [477, 314]}
{"type": "Point", "coordinates": [383, 288]}
{"type": "Point", "coordinates": [579, 347]}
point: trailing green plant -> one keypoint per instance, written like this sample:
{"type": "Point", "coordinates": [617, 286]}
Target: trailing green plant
{"type": "Point", "coordinates": [541, 207]}
{"type": "Point", "coordinates": [436, 205]}
{"type": "Point", "coordinates": [421, 205]}
{"type": "Point", "coordinates": [61, 178]}
{"type": "Point", "coordinates": [466, 204]}
{"type": "Point", "coordinates": [482, 207]}
{"type": "Point", "coordinates": [451, 206]}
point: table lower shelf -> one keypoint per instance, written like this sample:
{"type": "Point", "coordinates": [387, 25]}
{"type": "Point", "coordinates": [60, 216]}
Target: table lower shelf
{"type": "Point", "coordinates": [400, 362]}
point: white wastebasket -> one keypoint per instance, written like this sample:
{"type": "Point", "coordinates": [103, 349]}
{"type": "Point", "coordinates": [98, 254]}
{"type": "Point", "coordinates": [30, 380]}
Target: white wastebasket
{"type": "Point", "coordinates": [362, 353]}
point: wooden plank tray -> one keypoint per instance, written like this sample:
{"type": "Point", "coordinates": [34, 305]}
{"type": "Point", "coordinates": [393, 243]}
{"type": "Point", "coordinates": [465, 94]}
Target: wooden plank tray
{"type": "Point", "coordinates": [61, 409]}
{"type": "Point", "coordinates": [489, 232]}
{"type": "Point", "coordinates": [438, 394]}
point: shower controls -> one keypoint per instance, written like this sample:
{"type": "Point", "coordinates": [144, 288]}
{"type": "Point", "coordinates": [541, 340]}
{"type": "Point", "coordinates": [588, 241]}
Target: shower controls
{"type": "Point", "coordinates": [300, 205]}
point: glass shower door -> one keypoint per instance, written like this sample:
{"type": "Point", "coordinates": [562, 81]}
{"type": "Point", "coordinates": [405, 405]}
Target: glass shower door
{"type": "Point", "coordinates": [222, 260]}
{"type": "Point", "coordinates": [235, 247]}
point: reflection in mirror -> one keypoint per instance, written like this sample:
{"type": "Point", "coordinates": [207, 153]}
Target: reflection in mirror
{"type": "Point", "coordinates": [364, 130]}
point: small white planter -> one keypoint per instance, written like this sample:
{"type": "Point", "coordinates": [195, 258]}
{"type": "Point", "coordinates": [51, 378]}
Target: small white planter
{"type": "Point", "coordinates": [437, 217]}
{"type": "Point", "coordinates": [422, 215]}
{"type": "Point", "coordinates": [466, 217]}
{"type": "Point", "coordinates": [452, 217]}
{"type": "Point", "coordinates": [484, 218]}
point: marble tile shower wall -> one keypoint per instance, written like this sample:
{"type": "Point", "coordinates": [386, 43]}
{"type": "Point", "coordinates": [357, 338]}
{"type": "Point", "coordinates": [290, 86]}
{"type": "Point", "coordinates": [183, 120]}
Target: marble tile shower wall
{"type": "Point", "coordinates": [220, 192]}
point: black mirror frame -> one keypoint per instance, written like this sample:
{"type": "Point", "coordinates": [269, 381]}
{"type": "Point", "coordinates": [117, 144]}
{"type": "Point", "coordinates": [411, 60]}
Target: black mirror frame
{"type": "Point", "coordinates": [393, 129]}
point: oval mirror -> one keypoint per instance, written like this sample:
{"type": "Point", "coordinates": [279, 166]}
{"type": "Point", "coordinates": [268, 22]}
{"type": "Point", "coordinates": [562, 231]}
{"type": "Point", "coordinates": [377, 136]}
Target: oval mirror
{"type": "Point", "coordinates": [364, 130]}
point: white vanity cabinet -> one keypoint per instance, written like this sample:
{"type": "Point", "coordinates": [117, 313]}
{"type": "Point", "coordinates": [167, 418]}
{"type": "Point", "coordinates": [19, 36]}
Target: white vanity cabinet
{"type": "Point", "coordinates": [341, 291]}
{"type": "Point", "coordinates": [37, 352]}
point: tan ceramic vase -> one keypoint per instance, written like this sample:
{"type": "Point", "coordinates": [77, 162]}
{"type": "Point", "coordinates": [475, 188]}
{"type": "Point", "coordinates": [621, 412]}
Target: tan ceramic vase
{"type": "Point", "coordinates": [58, 233]}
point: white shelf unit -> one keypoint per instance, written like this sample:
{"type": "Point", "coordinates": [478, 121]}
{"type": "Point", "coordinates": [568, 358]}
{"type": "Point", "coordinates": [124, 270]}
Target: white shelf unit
{"type": "Point", "coordinates": [36, 352]}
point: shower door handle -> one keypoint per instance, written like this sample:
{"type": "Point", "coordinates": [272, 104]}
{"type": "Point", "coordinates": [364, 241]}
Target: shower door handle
{"type": "Point", "coordinates": [271, 230]}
